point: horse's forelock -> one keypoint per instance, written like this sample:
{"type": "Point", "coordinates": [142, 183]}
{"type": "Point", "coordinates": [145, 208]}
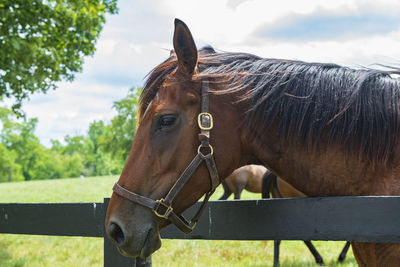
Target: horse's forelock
{"type": "Point", "coordinates": [156, 77]}
{"type": "Point", "coordinates": [154, 81]}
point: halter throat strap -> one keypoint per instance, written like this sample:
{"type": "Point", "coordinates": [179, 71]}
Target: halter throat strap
{"type": "Point", "coordinates": [163, 207]}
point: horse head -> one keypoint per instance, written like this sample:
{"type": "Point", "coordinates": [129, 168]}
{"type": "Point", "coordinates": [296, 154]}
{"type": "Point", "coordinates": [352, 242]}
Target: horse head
{"type": "Point", "coordinates": [170, 136]}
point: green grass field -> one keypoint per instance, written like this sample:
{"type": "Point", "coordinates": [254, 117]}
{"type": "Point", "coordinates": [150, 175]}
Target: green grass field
{"type": "Point", "coordinates": [23, 250]}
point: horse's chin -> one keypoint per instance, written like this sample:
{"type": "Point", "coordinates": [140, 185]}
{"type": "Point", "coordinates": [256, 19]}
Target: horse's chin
{"type": "Point", "coordinates": [136, 247]}
{"type": "Point", "coordinates": [151, 243]}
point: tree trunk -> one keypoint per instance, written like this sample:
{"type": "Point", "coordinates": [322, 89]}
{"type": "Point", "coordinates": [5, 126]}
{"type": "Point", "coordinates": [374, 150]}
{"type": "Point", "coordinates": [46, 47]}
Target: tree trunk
{"type": "Point", "coordinates": [9, 174]}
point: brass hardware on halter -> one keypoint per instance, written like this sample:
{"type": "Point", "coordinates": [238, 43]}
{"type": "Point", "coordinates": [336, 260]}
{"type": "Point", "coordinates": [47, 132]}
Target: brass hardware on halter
{"type": "Point", "coordinates": [209, 146]}
{"type": "Point", "coordinates": [194, 225]}
{"type": "Point", "coordinates": [161, 203]}
{"type": "Point", "coordinates": [205, 116]}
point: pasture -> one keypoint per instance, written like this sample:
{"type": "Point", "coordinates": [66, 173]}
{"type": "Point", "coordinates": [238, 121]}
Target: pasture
{"type": "Point", "coordinates": [18, 250]}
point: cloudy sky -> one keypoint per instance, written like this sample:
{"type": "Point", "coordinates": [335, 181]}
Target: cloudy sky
{"type": "Point", "coordinates": [348, 32]}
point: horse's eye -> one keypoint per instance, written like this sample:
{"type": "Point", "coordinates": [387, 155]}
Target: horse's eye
{"type": "Point", "coordinates": [166, 121]}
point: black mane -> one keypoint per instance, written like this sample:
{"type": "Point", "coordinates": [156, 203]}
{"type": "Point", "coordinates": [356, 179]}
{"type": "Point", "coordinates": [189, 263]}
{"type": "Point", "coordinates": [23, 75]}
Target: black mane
{"type": "Point", "coordinates": [313, 103]}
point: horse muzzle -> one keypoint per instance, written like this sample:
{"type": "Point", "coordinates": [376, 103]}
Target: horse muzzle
{"type": "Point", "coordinates": [138, 237]}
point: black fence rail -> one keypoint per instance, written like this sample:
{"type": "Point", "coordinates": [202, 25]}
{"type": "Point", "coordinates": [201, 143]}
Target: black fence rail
{"type": "Point", "coordinates": [365, 219]}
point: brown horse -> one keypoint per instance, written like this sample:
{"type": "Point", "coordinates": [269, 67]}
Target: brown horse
{"type": "Point", "coordinates": [325, 129]}
{"type": "Point", "coordinates": [248, 177]}
{"type": "Point", "coordinates": [257, 179]}
{"type": "Point", "coordinates": [253, 178]}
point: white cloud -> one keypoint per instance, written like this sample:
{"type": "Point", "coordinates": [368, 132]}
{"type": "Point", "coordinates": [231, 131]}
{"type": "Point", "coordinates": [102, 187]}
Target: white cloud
{"type": "Point", "coordinates": [361, 51]}
{"type": "Point", "coordinates": [214, 22]}
{"type": "Point", "coordinates": [231, 29]}
{"type": "Point", "coordinates": [71, 108]}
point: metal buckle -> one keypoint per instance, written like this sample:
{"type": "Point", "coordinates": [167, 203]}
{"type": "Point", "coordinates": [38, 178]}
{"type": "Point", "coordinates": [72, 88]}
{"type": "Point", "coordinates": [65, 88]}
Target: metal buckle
{"type": "Point", "coordinates": [209, 146]}
{"type": "Point", "coordinates": [194, 224]}
{"type": "Point", "coordinates": [199, 121]}
{"type": "Point", "coordinates": [168, 210]}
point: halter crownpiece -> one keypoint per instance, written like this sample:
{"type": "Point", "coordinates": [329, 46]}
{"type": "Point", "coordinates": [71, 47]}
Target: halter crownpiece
{"type": "Point", "coordinates": [163, 207]}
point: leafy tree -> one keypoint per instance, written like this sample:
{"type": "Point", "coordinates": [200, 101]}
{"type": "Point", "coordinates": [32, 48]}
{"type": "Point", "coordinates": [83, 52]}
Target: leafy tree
{"type": "Point", "coordinates": [19, 142]}
{"type": "Point", "coordinates": [43, 42]}
{"type": "Point", "coordinates": [27, 146]}
{"type": "Point", "coordinates": [96, 134]}
{"type": "Point", "coordinates": [56, 146]}
{"type": "Point", "coordinates": [103, 162]}
{"type": "Point", "coordinates": [72, 166]}
{"type": "Point", "coordinates": [8, 124]}
{"type": "Point", "coordinates": [40, 163]}
{"type": "Point", "coordinates": [22, 155]}
{"type": "Point", "coordinates": [78, 144]}
{"type": "Point", "coordinates": [102, 151]}
{"type": "Point", "coordinates": [123, 125]}
{"type": "Point", "coordinates": [9, 169]}
{"type": "Point", "coordinates": [75, 156]}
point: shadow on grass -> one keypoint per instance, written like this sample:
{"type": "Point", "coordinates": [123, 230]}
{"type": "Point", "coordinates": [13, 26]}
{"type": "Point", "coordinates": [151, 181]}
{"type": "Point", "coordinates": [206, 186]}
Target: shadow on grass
{"type": "Point", "coordinates": [6, 258]}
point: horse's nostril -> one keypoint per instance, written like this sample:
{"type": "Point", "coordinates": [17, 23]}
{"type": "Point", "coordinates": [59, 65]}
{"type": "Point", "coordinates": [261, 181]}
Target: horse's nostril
{"type": "Point", "coordinates": [116, 233]}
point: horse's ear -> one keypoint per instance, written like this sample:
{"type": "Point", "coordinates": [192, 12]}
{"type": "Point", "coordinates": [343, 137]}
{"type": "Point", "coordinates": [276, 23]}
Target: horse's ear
{"type": "Point", "coordinates": [185, 48]}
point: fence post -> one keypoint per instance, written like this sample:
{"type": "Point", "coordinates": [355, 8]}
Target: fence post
{"type": "Point", "coordinates": [112, 257]}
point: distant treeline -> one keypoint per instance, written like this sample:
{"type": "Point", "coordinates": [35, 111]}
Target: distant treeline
{"type": "Point", "coordinates": [102, 151]}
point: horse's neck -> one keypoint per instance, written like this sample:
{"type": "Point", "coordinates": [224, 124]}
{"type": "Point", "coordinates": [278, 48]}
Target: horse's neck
{"type": "Point", "coordinates": [325, 173]}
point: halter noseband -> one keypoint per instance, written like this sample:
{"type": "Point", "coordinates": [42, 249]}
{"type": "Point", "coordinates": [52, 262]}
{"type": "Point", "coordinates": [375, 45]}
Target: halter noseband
{"type": "Point", "coordinates": [163, 207]}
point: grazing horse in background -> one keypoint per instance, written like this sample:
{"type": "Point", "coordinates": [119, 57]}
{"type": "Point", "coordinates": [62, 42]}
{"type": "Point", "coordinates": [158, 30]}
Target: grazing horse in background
{"type": "Point", "coordinates": [257, 179]}
{"type": "Point", "coordinates": [325, 129]}
{"type": "Point", "coordinates": [248, 177]}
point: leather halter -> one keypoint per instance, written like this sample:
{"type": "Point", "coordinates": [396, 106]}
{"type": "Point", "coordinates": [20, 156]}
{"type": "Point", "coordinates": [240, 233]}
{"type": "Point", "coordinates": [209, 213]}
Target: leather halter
{"type": "Point", "coordinates": [163, 207]}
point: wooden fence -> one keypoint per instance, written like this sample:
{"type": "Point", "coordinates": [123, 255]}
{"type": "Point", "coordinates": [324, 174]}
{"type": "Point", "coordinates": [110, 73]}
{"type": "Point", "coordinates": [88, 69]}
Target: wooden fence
{"type": "Point", "coordinates": [366, 219]}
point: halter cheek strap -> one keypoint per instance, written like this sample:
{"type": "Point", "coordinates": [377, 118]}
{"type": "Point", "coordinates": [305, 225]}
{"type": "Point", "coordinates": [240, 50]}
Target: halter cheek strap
{"type": "Point", "coordinates": [163, 207]}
